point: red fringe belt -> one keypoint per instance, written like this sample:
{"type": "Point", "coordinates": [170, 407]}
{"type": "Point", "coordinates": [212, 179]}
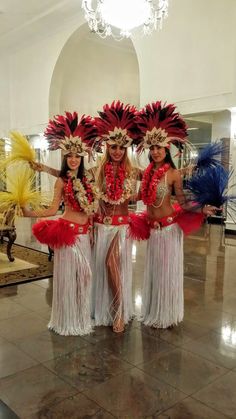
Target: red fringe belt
{"type": "Point", "coordinates": [188, 221]}
{"type": "Point", "coordinates": [138, 225]}
{"type": "Point", "coordinates": [113, 220]}
{"type": "Point", "coordinates": [58, 233]}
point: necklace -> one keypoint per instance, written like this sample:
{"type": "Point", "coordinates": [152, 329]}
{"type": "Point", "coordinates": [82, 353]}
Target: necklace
{"type": "Point", "coordinates": [81, 195]}
{"type": "Point", "coordinates": [151, 178]}
{"type": "Point", "coordinates": [119, 187]}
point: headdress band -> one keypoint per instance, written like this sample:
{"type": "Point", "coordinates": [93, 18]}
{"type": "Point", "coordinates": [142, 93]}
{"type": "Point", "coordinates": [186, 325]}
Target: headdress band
{"type": "Point", "coordinates": [118, 137]}
{"type": "Point", "coordinates": [156, 136]}
{"type": "Point", "coordinates": [73, 145]}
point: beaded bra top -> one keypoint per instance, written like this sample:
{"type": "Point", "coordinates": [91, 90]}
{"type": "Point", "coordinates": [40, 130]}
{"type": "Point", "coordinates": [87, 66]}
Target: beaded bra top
{"type": "Point", "coordinates": [162, 188]}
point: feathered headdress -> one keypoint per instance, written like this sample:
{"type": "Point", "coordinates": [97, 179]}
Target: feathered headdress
{"type": "Point", "coordinates": [71, 134]}
{"type": "Point", "coordinates": [160, 125]}
{"type": "Point", "coordinates": [116, 124]}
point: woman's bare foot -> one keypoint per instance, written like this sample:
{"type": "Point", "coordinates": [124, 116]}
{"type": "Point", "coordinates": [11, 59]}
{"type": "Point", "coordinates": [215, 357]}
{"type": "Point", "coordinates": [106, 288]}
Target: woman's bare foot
{"type": "Point", "coordinates": [118, 326]}
{"type": "Point", "coordinates": [170, 327]}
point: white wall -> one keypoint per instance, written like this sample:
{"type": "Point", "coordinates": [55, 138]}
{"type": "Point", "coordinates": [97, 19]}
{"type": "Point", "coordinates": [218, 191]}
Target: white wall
{"type": "Point", "coordinates": [192, 60]}
{"type": "Point", "coordinates": [221, 125]}
{"type": "Point", "coordinates": [4, 98]}
{"type": "Point", "coordinates": [29, 79]}
{"type": "Point", "coordinates": [31, 71]}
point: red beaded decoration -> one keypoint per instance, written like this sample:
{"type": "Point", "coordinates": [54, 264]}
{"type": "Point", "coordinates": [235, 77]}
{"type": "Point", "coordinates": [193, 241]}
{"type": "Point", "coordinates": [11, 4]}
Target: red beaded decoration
{"type": "Point", "coordinates": [114, 184]}
{"type": "Point", "coordinates": [151, 178]}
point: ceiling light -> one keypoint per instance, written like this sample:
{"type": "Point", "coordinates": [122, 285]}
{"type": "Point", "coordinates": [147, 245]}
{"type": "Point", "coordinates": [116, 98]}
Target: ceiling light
{"type": "Point", "coordinates": [124, 18]}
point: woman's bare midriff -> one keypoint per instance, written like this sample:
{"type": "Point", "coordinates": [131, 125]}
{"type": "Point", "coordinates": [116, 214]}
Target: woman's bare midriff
{"type": "Point", "coordinates": [165, 209]}
{"type": "Point", "coordinates": [75, 216]}
{"type": "Point", "coordinates": [108, 209]}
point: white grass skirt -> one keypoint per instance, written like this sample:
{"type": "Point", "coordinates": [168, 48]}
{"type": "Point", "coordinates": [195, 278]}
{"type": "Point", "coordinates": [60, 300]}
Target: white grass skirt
{"type": "Point", "coordinates": [103, 308]}
{"type": "Point", "coordinates": [72, 280]}
{"type": "Point", "coordinates": [163, 301]}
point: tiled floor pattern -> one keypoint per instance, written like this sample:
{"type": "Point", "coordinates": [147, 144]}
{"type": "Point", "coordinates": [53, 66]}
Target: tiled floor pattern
{"type": "Point", "coordinates": [185, 372]}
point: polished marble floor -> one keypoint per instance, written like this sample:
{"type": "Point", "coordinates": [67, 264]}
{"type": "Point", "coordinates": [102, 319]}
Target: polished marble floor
{"type": "Point", "coordinates": [186, 372]}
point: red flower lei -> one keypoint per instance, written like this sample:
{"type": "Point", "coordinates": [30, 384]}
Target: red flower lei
{"type": "Point", "coordinates": [150, 182]}
{"type": "Point", "coordinates": [70, 193]}
{"type": "Point", "coordinates": [114, 185]}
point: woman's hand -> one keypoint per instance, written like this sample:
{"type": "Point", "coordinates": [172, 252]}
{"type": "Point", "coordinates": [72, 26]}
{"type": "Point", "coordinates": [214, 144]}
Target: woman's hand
{"type": "Point", "coordinates": [38, 167]}
{"type": "Point", "coordinates": [210, 210]}
{"type": "Point", "coordinates": [91, 236]}
{"type": "Point", "coordinates": [26, 212]}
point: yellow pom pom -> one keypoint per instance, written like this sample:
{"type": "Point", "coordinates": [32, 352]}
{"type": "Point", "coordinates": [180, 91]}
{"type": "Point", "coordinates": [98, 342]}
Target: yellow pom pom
{"type": "Point", "coordinates": [20, 149]}
{"type": "Point", "coordinates": [21, 191]}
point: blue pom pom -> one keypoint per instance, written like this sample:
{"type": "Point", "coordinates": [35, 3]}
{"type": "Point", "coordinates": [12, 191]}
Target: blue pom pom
{"type": "Point", "coordinates": [210, 156]}
{"type": "Point", "coordinates": [210, 186]}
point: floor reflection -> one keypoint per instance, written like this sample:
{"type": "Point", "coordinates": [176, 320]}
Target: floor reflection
{"type": "Point", "coordinates": [185, 372]}
{"type": "Point", "coordinates": [229, 335]}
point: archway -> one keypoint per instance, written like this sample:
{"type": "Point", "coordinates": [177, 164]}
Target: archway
{"type": "Point", "coordinates": [91, 71]}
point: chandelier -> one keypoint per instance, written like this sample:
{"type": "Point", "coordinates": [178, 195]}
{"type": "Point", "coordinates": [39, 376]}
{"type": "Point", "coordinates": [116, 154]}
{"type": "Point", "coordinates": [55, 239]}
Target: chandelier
{"type": "Point", "coordinates": [123, 18]}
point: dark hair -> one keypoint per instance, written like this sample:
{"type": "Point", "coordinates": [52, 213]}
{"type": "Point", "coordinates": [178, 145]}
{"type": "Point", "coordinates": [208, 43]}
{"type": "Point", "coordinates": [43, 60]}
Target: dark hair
{"type": "Point", "coordinates": [167, 159]}
{"type": "Point", "coordinates": [65, 168]}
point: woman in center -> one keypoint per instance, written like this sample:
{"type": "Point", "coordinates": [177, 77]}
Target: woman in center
{"type": "Point", "coordinates": [116, 180]}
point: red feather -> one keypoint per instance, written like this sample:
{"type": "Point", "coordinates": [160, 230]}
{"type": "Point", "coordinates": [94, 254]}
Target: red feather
{"type": "Point", "coordinates": [190, 221]}
{"type": "Point", "coordinates": [162, 116]}
{"type": "Point", "coordinates": [54, 233]}
{"type": "Point", "coordinates": [69, 125]}
{"type": "Point", "coordinates": [139, 229]}
{"type": "Point", "coordinates": [117, 115]}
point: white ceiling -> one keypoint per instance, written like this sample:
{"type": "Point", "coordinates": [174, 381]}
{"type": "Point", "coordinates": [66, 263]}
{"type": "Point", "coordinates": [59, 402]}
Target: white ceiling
{"type": "Point", "coordinates": [26, 21]}
{"type": "Point", "coordinates": [21, 19]}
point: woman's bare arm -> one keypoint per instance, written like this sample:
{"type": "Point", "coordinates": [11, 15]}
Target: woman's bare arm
{"type": "Point", "coordinates": [40, 167]}
{"type": "Point", "coordinates": [178, 188]}
{"type": "Point", "coordinates": [52, 210]}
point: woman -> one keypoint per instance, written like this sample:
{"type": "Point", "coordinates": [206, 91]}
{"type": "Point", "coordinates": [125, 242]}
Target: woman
{"type": "Point", "coordinates": [69, 235]}
{"type": "Point", "coordinates": [116, 181]}
{"type": "Point", "coordinates": [163, 301]}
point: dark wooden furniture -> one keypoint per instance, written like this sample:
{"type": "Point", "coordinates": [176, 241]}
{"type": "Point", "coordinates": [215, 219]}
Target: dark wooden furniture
{"type": "Point", "coordinates": [8, 230]}
{"type": "Point", "coordinates": [50, 253]}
